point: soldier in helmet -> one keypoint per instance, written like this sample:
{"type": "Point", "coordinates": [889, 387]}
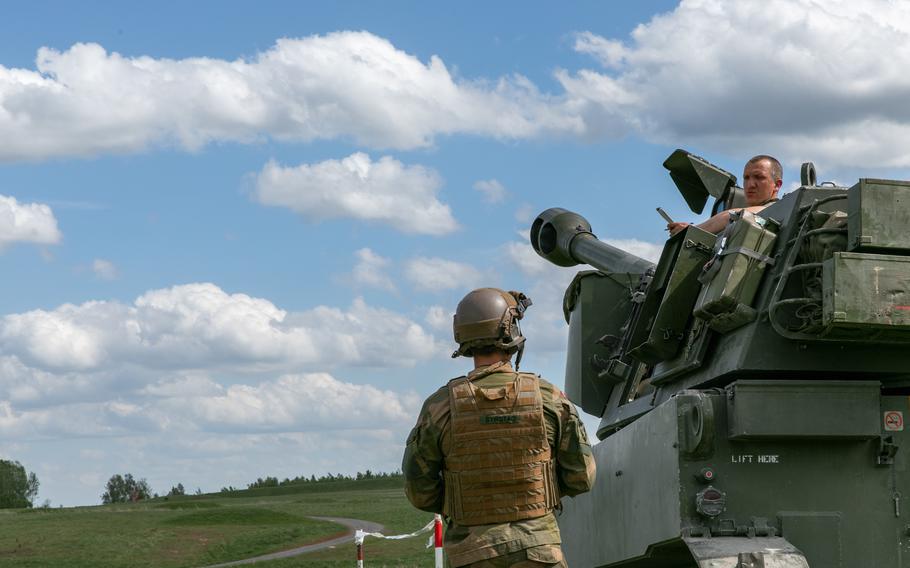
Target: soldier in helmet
{"type": "Point", "coordinates": [496, 449]}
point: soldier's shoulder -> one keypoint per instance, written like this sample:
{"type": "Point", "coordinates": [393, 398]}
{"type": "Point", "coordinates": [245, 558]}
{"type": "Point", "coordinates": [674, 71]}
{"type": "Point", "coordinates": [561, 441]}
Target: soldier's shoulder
{"type": "Point", "coordinates": [436, 406]}
{"type": "Point", "coordinates": [548, 388]}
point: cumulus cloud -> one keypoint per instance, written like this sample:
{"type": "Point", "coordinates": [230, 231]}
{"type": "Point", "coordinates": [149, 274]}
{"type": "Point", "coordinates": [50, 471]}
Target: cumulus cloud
{"type": "Point", "coordinates": [292, 402]}
{"type": "Point", "coordinates": [384, 191]}
{"type": "Point", "coordinates": [524, 214]}
{"type": "Point", "coordinates": [26, 222]}
{"type": "Point", "coordinates": [437, 274]}
{"type": "Point", "coordinates": [301, 402]}
{"type": "Point", "coordinates": [197, 326]}
{"type": "Point", "coordinates": [105, 269]}
{"type": "Point", "coordinates": [491, 189]}
{"type": "Point", "coordinates": [811, 85]}
{"type": "Point", "coordinates": [439, 318]}
{"type": "Point", "coordinates": [370, 270]}
{"type": "Point", "coordinates": [86, 100]}
{"type": "Point", "coordinates": [643, 249]}
{"type": "Point", "coordinates": [813, 81]}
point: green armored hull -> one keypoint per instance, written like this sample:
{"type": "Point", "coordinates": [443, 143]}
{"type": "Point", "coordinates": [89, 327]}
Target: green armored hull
{"type": "Point", "coordinates": [752, 386]}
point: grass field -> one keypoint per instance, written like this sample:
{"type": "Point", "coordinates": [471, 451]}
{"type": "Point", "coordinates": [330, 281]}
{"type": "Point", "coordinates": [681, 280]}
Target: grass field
{"type": "Point", "coordinates": [201, 530]}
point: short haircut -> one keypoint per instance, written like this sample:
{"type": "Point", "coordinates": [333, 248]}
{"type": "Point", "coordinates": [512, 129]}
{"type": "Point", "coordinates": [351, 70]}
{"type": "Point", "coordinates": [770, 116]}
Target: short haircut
{"type": "Point", "coordinates": [777, 172]}
{"type": "Point", "coordinates": [486, 350]}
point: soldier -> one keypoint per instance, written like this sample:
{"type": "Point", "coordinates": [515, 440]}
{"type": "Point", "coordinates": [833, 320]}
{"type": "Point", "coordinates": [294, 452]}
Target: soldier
{"type": "Point", "coordinates": [495, 450]}
{"type": "Point", "coordinates": [762, 179]}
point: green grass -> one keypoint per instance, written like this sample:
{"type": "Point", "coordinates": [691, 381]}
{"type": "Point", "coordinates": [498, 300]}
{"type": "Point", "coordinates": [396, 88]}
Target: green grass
{"type": "Point", "coordinates": [187, 505]}
{"type": "Point", "coordinates": [235, 516]}
{"type": "Point", "coordinates": [195, 531]}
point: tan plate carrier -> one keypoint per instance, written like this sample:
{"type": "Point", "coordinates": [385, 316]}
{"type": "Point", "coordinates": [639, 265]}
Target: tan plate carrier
{"type": "Point", "coordinates": [500, 468]}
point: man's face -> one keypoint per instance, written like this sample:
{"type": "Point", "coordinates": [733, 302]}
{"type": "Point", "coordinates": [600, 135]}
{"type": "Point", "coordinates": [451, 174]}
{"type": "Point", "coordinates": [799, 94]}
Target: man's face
{"type": "Point", "coordinates": [758, 182]}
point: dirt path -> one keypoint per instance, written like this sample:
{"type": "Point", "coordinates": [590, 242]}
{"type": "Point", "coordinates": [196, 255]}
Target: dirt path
{"type": "Point", "coordinates": [347, 538]}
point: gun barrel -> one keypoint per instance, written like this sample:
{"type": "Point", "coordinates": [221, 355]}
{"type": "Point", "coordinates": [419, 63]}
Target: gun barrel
{"type": "Point", "coordinates": [565, 239]}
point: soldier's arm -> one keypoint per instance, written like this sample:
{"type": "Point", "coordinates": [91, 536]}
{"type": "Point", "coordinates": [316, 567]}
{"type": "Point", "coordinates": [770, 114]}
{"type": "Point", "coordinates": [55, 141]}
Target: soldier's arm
{"type": "Point", "coordinates": [574, 460]}
{"type": "Point", "coordinates": [422, 464]}
{"type": "Point", "coordinates": [714, 224]}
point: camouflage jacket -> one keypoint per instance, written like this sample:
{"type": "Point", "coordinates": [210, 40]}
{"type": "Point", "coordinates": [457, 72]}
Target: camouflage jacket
{"type": "Point", "coordinates": [428, 445]}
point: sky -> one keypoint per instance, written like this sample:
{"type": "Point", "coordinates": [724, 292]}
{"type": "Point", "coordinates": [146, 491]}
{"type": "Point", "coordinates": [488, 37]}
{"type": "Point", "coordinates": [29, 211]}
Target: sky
{"type": "Point", "coordinates": [233, 236]}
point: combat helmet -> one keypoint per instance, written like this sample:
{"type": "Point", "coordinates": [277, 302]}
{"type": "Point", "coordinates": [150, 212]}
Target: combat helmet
{"type": "Point", "coordinates": [488, 317]}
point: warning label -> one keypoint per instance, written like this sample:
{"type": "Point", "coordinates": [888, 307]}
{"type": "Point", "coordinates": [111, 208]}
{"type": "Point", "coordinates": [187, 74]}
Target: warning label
{"type": "Point", "coordinates": [894, 421]}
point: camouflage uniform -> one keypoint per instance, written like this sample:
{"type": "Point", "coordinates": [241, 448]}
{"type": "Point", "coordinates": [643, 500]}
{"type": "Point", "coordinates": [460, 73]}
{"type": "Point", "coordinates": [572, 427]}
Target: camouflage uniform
{"type": "Point", "coordinates": [529, 542]}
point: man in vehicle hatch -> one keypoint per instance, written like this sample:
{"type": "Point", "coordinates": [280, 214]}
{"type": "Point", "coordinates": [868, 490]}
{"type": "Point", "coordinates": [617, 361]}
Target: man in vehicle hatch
{"type": "Point", "coordinates": [762, 179]}
{"type": "Point", "coordinates": [495, 450]}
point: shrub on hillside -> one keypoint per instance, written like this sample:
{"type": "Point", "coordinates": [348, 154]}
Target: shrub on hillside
{"type": "Point", "coordinates": [125, 488]}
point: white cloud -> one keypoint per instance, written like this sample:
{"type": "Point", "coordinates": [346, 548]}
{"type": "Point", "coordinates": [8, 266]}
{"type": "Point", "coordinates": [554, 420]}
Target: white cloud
{"type": "Point", "coordinates": [293, 402]}
{"type": "Point", "coordinates": [526, 260]}
{"type": "Point", "coordinates": [26, 222]}
{"type": "Point", "coordinates": [524, 214]}
{"type": "Point", "coordinates": [183, 386]}
{"type": "Point", "coordinates": [370, 270]}
{"type": "Point", "coordinates": [492, 190]}
{"type": "Point", "coordinates": [297, 402]}
{"type": "Point", "coordinates": [199, 326]}
{"type": "Point", "coordinates": [86, 101]}
{"type": "Point", "coordinates": [439, 318]}
{"type": "Point", "coordinates": [105, 269]}
{"type": "Point", "coordinates": [437, 274]}
{"type": "Point", "coordinates": [812, 84]}
{"type": "Point", "coordinates": [643, 249]}
{"type": "Point", "coordinates": [386, 191]}
{"type": "Point", "coordinates": [803, 79]}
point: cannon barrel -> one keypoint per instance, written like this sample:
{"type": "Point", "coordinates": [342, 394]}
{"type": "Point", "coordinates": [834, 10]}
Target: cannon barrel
{"type": "Point", "coordinates": [565, 239]}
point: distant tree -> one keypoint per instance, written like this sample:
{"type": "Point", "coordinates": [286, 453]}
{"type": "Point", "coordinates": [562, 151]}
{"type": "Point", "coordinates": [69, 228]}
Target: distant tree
{"type": "Point", "coordinates": [177, 490]}
{"type": "Point", "coordinates": [125, 488]}
{"type": "Point", "coordinates": [269, 481]}
{"type": "Point", "coordinates": [18, 488]}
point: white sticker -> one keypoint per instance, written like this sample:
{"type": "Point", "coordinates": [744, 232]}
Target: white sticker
{"type": "Point", "coordinates": [894, 421]}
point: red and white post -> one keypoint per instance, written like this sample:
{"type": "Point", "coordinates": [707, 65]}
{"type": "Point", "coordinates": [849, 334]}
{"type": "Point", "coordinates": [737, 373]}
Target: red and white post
{"type": "Point", "coordinates": [437, 540]}
{"type": "Point", "coordinates": [359, 535]}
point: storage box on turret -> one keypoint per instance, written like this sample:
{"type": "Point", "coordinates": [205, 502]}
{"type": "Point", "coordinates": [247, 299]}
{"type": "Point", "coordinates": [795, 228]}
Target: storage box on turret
{"type": "Point", "coordinates": [879, 214]}
{"type": "Point", "coordinates": [867, 296]}
{"type": "Point", "coordinates": [732, 277]}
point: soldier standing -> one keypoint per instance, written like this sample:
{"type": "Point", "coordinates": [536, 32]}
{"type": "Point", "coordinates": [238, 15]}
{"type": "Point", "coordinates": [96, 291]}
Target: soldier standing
{"type": "Point", "coordinates": [495, 450]}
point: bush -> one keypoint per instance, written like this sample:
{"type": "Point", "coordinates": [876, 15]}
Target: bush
{"type": "Point", "coordinates": [125, 488]}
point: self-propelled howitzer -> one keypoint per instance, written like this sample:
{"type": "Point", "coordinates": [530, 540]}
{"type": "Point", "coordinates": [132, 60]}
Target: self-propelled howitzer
{"type": "Point", "coordinates": [752, 385]}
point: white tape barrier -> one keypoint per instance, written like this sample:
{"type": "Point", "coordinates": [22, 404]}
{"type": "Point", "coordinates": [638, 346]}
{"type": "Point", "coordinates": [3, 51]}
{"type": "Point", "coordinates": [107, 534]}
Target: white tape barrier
{"type": "Point", "coordinates": [434, 526]}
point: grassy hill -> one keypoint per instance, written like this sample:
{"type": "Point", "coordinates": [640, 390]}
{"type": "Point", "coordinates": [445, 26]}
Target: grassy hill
{"type": "Point", "coordinates": [196, 531]}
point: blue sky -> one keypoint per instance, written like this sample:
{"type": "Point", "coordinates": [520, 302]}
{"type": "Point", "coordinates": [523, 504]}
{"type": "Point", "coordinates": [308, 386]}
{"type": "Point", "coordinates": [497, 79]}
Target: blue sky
{"type": "Point", "coordinates": [233, 237]}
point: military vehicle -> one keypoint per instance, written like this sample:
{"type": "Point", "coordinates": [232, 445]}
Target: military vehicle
{"type": "Point", "coordinates": [752, 386]}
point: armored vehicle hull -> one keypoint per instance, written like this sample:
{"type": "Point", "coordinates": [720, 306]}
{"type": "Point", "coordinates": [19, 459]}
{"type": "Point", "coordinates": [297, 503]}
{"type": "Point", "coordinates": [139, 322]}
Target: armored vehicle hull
{"type": "Point", "coordinates": [752, 386]}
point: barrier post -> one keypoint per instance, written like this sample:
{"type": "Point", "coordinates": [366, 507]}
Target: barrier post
{"type": "Point", "coordinates": [434, 526]}
{"type": "Point", "coordinates": [437, 539]}
{"type": "Point", "coordinates": [358, 539]}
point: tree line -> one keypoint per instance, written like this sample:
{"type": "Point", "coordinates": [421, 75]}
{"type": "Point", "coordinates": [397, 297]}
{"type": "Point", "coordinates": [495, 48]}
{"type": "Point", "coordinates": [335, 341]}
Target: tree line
{"type": "Point", "coordinates": [327, 478]}
{"type": "Point", "coordinates": [19, 488]}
